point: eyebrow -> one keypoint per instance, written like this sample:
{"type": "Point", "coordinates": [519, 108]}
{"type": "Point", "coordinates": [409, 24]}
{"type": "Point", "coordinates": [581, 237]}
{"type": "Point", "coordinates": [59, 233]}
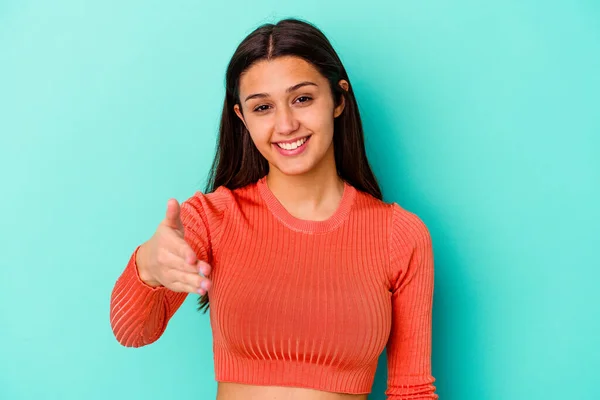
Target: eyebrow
{"type": "Point", "coordinates": [288, 90]}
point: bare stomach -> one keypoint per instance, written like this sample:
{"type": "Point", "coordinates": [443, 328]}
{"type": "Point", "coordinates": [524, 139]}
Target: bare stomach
{"type": "Point", "coordinates": [238, 391]}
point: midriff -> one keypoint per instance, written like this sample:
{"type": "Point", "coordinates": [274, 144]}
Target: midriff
{"type": "Point", "coordinates": [238, 391]}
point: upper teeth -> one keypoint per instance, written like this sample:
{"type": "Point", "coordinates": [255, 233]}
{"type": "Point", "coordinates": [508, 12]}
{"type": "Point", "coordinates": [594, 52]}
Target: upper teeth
{"type": "Point", "coordinates": [293, 145]}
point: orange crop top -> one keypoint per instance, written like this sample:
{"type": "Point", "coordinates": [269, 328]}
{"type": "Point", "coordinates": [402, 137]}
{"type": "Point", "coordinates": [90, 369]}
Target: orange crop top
{"type": "Point", "coordinates": [301, 303]}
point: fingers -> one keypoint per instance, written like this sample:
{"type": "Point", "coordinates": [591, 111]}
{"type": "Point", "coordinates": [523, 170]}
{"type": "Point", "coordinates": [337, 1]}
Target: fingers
{"type": "Point", "coordinates": [174, 261]}
{"type": "Point", "coordinates": [173, 216]}
{"type": "Point", "coordinates": [189, 260]}
{"type": "Point", "coordinates": [185, 252]}
{"type": "Point", "coordinates": [190, 282]}
{"type": "Point", "coordinates": [204, 268]}
{"type": "Point", "coordinates": [183, 277]}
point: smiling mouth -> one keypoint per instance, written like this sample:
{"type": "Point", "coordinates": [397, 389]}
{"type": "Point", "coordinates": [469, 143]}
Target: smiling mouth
{"type": "Point", "coordinates": [292, 145]}
{"type": "Point", "coordinates": [292, 149]}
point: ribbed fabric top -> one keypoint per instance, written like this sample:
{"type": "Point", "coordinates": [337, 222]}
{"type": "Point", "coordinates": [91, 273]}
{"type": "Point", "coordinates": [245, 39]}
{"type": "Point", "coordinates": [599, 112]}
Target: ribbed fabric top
{"type": "Point", "coordinates": [301, 303]}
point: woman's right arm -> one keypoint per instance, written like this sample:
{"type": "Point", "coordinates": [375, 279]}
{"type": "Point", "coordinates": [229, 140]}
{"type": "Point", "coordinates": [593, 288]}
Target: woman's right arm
{"type": "Point", "coordinates": [159, 275]}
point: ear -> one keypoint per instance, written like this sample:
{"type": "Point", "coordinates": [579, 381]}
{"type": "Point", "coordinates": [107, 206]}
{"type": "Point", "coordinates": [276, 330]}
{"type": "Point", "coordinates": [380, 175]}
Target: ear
{"type": "Point", "coordinates": [338, 110]}
{"type": "Point", "coordinates": [238, 112]}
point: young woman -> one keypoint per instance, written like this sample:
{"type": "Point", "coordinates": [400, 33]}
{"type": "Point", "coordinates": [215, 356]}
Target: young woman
{"type": "Point", "coordinates": [310, 274]}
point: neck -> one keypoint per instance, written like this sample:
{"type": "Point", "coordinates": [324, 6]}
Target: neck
{"type": "Point", "coordinates": [314, 195]}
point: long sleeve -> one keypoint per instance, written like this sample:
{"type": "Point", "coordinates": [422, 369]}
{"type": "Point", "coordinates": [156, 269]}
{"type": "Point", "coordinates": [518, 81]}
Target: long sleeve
{"type": "Point", "coordinates": [409, 345]}
{"type": "Point", "coordinates": [139, 313]}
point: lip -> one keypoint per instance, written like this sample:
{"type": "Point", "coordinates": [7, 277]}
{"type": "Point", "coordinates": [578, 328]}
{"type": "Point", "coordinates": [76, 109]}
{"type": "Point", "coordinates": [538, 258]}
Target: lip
{"type": "Point", "coordinates": [295, 151]}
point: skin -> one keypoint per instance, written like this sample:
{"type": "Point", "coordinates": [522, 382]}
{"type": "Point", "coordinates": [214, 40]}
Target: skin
{"type": "Point", "coordinates": [307, 185]}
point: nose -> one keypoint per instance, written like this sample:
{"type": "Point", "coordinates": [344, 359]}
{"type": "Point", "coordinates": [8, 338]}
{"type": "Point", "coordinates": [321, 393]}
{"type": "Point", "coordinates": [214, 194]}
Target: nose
{"type": "Point", "coordinates": [285, 122]}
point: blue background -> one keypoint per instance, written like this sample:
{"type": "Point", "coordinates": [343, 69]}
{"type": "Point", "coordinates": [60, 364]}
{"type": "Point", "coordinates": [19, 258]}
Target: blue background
{"type": "Point", "coordinates": [481, 117]}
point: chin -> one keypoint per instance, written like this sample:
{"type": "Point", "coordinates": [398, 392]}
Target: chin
{"type": "Point", "coordinates": [295, 169]}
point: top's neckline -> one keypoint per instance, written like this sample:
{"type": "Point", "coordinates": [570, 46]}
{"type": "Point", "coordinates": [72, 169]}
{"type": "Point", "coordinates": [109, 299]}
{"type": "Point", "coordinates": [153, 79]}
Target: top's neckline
{"type": "Point", "coordinates": [303, 225]}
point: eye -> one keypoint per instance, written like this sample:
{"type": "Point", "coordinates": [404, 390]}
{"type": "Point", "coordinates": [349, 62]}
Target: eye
{"type": "Point", "coordinates": [261, 108]}
{"type": "Point", "coordinates": [303, 99]}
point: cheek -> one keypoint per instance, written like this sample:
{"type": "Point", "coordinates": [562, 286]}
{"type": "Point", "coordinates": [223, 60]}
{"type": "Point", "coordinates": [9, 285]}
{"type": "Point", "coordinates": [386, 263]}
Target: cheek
{"type": "Point", "coordinates": [259, 130]}
{"type": "Point", "coordinates": [319, 122]}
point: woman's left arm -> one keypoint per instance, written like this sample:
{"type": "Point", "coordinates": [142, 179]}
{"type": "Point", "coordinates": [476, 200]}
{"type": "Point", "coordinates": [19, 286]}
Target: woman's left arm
{"type": "Point", "coordinates": [409, 345]}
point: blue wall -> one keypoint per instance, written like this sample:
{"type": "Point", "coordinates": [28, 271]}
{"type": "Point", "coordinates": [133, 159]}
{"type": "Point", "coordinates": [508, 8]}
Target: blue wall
{"type": "Point", "coordinates": [481, 117]}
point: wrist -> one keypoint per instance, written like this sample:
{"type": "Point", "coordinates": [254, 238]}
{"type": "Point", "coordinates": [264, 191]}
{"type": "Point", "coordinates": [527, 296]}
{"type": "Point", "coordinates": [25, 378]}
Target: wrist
{"type": "Point", "coordinates": [142, 271]}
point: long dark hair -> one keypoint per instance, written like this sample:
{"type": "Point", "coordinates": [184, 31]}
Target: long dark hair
{"type": "Point", "coordinates": [237, 161]}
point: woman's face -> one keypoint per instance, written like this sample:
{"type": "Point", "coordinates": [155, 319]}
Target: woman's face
{"type": "Point", "coordinates": [288, 108]}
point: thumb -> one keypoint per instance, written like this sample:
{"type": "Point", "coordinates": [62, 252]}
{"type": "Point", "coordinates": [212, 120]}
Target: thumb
{"type": "Point", "coordinates": [173, 218]}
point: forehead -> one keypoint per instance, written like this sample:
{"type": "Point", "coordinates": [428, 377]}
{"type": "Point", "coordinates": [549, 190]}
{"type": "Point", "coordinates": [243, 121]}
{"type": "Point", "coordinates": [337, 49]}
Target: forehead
{"type": "Point", "coordinates": [276, 75]}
